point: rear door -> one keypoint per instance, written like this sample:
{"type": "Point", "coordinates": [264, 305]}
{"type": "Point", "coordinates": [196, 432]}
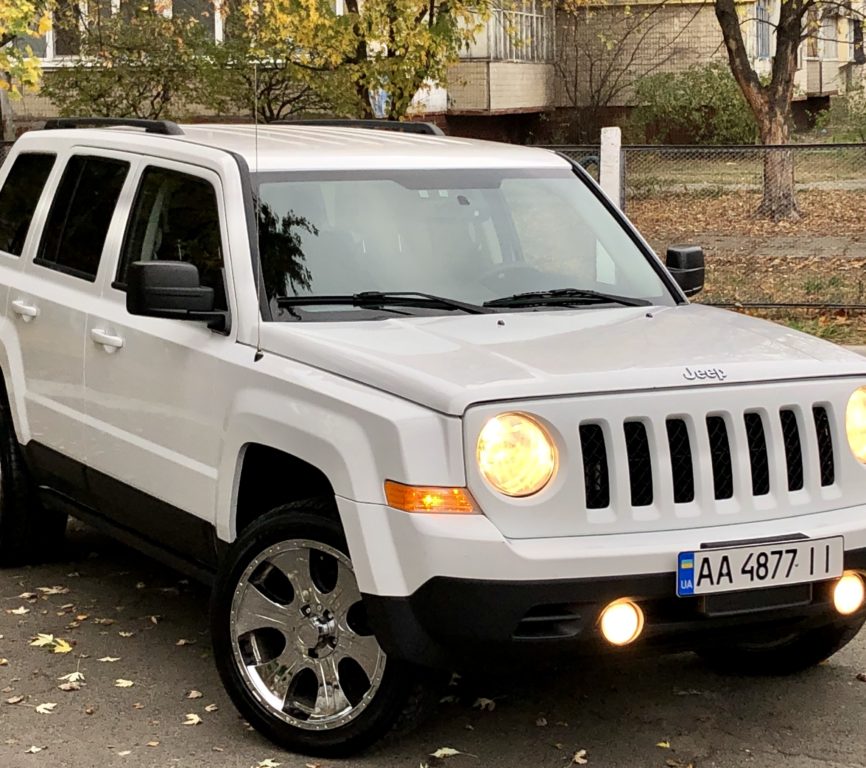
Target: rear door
{"type": "Point", "coordinates": [49, 301]}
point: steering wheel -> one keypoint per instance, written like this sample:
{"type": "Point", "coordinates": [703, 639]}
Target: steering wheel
{"type": "Point", "coordinates": [489, 277]}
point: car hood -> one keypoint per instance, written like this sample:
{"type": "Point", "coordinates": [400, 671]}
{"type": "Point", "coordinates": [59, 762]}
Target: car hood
{"type": "Point", "coordinates": [450, 362]}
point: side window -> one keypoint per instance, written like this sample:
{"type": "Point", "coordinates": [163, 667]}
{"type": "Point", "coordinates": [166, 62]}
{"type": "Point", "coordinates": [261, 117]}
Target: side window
{"type": "Point", "coordinates": [19, 198]}
{"type": "Point", "coordinates": [176, 218]}
{"type": "Point", "coordinates": [80, 214]}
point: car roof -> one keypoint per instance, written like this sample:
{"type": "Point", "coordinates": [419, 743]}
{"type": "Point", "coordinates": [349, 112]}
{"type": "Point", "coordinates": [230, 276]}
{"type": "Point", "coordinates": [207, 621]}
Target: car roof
{"type": "Point", "coordinates": [272, 147]}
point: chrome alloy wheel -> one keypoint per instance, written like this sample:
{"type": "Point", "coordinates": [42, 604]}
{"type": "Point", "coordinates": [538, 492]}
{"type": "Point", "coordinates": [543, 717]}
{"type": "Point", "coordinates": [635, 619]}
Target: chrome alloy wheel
{"type": "Point", "coordinates": [300, 637]}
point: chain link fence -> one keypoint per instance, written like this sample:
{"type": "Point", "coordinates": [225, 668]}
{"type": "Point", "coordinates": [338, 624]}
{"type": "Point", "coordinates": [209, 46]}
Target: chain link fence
{"type": "Point", "coordinates": [808, 272]}
{"type": "Point", "coordinates": [5, 146]}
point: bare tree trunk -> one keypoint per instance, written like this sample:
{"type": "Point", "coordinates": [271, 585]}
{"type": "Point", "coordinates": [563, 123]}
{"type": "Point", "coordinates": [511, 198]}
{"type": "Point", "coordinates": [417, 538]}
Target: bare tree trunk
{"type": "Point", "coordinates": [779, 200]}
{"type": "Point", "coordinates": [7, 124]}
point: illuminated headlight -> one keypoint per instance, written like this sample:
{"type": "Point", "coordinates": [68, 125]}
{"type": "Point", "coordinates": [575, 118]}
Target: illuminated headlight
{"type": "Point", "coordinates": [516, 455]}
{"type": "Point", "coordinates": [855, 423]}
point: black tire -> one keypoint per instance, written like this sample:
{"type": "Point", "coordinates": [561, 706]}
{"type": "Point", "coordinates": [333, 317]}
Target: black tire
{"type": "Point", "coordinates": [404, 692]}
{"type": "Point", "coordinates": [28, 532]}
{"type": "Point", "coordinates": [786, 655]}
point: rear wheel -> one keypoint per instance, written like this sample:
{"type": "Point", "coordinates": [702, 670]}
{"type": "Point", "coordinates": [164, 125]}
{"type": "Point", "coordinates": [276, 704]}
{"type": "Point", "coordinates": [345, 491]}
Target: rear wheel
{"type": "Point", "coordinates": [292, 643]}
{"type": "Point", "coordinates": [786, 654]}
{"type": "Point", "coordinates": [28, 532]}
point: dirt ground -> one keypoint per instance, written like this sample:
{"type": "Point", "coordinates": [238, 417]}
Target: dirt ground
{"type": "Point", "coordinates": [125, 618]}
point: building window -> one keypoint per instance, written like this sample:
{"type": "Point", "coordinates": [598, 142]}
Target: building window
{"type": "Point", "coordinates": [829, 38]}
{"type": "Point", "coordinates": [521, 32]}
{"type": "Point", "coordinates": [762, 15]}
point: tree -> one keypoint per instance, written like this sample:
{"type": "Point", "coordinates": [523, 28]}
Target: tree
{"type": "Point", "coordinates": [20, 20]}
{"type": "Point", "coordinates": [137, 63]}
{"type": "Point", "coordinates": [770, 98]}
{"type": "Point", "coordinates": [376, 48]}
{"type": "Point", "coordinates": [600, 52]}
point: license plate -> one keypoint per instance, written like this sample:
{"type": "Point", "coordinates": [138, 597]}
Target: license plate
{"type": "Point", "coordinates": [727, 569]}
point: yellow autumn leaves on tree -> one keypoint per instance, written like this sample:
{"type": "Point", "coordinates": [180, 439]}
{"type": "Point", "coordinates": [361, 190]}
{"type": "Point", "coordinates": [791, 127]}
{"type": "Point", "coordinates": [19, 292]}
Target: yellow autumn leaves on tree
{"type": "Point", "coordinates": [20, 20]}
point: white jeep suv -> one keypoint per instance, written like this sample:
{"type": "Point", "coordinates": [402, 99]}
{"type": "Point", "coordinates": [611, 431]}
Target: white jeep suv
{"type": "Point", "coordinates": [410, 402]}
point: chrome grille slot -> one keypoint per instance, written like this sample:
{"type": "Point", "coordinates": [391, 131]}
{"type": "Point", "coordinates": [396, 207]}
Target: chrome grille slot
{"type": "Point", "coordinates": [639, 464]}
{"type": "Point", "coordinates": [595, 471]}
{"type": "Point", "coordinates": [793, 448]}
{"type": "Point", "coordinates": [758, 460]}
{"type": "Point", "coordinates": [681, 461]}
{"type": "Point", "coordinates": [720, 454]}
{"type": "Point", "coordinates": [825, 445]}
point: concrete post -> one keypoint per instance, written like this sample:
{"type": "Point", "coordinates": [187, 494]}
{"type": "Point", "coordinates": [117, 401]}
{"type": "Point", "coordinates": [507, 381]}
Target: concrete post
{"type": "Point", "coordinates": [610, 164]}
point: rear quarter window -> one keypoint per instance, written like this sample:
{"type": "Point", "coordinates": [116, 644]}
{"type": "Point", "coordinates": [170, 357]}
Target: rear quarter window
{"type": "Point", "coordinates": [19, 197]}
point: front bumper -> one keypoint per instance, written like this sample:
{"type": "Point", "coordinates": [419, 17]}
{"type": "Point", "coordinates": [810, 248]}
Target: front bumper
{"type": "Point", "coordinates": [453, 623]}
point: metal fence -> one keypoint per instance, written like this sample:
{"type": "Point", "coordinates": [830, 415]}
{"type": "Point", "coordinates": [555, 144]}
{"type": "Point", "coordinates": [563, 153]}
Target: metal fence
{"type": "Point", "coordinates": [5, 146]}
{"type": "Point", "coordinates": [809, 273]}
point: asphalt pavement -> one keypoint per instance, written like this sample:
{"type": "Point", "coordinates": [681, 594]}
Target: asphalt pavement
{"type": "Point", "coordinates": [136, 633]}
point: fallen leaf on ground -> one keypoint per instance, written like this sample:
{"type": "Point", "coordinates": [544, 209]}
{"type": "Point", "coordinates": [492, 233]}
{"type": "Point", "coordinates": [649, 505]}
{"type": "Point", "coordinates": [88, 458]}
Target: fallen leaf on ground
{"type": "Point", "coordinates": [664, 745]}
{"type": "Point", "coordinates": [267, 763]}
{"type": "Point", "coordinates": [28, 596]}
{"type": "Point", "coordinates": [126, 634]}
{"type": "Point", "coordinates": [89, 711]}
{"type": "Point", "coordinates": [444, 752]}
{"type": "Point", "coordinates": [541, 722]}
{"type": "Point", "coordinates": [69, 686]}
{"type": "Point", "coordinates": [42, 640]}
{"type": "Point", "coordinates": [45, 709]}
{"type": "Point", "coordinates": [109, 658]}
{"type": "Point", "coordinates": [104, 622]}
{"type": "Point", "coordinates": [211, 708]}
{"type": "Point", "coordinates": [61, 646]}
{"type": "Point", "coordinates": [192, 719]}
{"type": "Point", "coordinates": [862, 677]}
{"type": "Point", "coordinates": [154, 619]}
{"type": "Point", "coordinates": [22, 611]}
{"type": "Point", "coordinates": [125, 752]}
{"type": "Point", "coordinates": [121, 683]}
{"type": "Point", "coordinates": [194, 694]}
{"type": "Point", "coordinates": [4, 662]}
{"type": "Point", "coordinates": [485, 705]}
{"type": "Point", "coordinates": [73, 677]}
{"type": "Point", "coordinates": [33, 750]}
{"type": "Point", "coordinates": [183, 641]}
{"type": "Point", "coordinates": [153, 743]}
{"type": "Point", "coordinates": [15, 700]}
{"type": "Point", "coordinates": [580, 757]}
{"type": "Point", "coordinates": [138, 705]}
{"type": "Point", "coordinates": [54, 590]}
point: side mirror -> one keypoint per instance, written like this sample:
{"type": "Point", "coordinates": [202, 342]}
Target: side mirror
{"type": "Point", "coordinates": [686, 265]}
{"type": "Point", "coordinates": [170, 289]}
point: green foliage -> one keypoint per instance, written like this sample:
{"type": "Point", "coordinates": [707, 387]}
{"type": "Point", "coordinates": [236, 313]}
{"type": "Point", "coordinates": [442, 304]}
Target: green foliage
{"type": "Point", "coordinates": [845, 118]}
{"type": "Point", "coordinates": [133, 64]}
{"type": "Point", "coordinates": [21, 20]}
{"type": "Point", "coordinates": [702, 105]}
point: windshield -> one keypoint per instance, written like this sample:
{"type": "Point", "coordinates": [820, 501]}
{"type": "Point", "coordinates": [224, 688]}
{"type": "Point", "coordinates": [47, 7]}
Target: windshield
{"type": "Point", "coordinates": [470, 235]}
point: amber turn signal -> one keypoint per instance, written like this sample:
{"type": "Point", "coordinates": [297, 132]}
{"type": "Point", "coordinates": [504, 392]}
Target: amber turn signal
{"type": "Point", "coordinates": [425, 498]}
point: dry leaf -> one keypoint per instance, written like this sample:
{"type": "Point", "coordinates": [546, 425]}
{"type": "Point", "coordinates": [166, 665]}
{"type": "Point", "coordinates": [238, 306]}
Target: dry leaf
{"type": "Point", "coordinates": [45, 709]}
{"type": "Point", "coordinates": [28, 596]}
{"type": "Point", "coordinates": [121, 683]}
{"type": "Point", "coordinates": [69, 686]}
{"type": "Point", "coordinates": [267, 763]}
{"type": "Point", "coordinates": [140, 585]}
{"type": "Point", "coordinates": [126, 634]}
{"type": "Point", "coordinates": [580, 757]}
{"type": "Point", "coordinates": [153, 743]}
{"type": "Point", "coordinates": [73, 677]}
{"type": "Point", "coordinates": [192, 719]}
{"type": "Point", "coordinates": [41, 640]}
{"type": "Point", "coordinates": [211, 708]}
{"type": "Point", "coordinates": [4, 662]}
{"type": "Point", "coordinates": [485, 705]}
{"type": "Point", "coordinates": [154, 619]}
{"type": "Point", "coordinates": [541, 722]}
{"type": "Point", "coordinates": [183, 641]}
{"type": "Point", "coordinates": [53, 590]}
{"type": "Point", "coordinates": [125, 752]}
{"type": "Point", "coordinates": [89, 711]}
{"type": "Point", "coordinates": [194, 694]}
{"type": "Point", "coordinates": [15, 700]}
{"type": "Point", "coordinates": [138, 705]}
{"type": "Point", "coordinates": [104, 622]}
{"type": "Point", "coordinates": [109, 658]}
{"type": "Point", "coordinates": [22, 611]}
{"type": "Point", "coordinates": [61, 646]}
{"type": "Point", "coordinates": [862, 677]}
{"type": "Point", "coordinates": [444, 752]}
{"type": "Point", "coordinates": [664, 745]}
{"type": "Point", "coordinates": [33, 750]}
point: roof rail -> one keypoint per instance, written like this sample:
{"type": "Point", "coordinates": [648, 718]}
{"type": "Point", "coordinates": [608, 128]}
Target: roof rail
{"type": "Point", "coordinates": [164, 127]}
{"type": "Point", "coordinates": [428, 129]}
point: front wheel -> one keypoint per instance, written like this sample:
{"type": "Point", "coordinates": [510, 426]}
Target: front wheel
{"type": "Point", "coordinates": [784, 655]}
{"type": "Point", "coordinates": [292, 643]}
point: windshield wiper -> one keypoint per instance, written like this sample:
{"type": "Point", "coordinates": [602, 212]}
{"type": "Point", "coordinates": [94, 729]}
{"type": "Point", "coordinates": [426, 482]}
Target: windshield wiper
{"type": "Point", "coordinates": [374, 299]}
{"type": "Point", "coordinates": [564, 297]}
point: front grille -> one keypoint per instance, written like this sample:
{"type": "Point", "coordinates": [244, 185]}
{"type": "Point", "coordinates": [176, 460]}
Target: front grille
{"type": "Point", "coordinates": [706, 456]}
{"type": "Point", "coordinates": [595, 475]}
{"type": "Point", "coordinates": [793, 449]}
{"type": "Point", "coordinates": [640, 473]}
{"type": "Point", "coordinates": [681, 461]}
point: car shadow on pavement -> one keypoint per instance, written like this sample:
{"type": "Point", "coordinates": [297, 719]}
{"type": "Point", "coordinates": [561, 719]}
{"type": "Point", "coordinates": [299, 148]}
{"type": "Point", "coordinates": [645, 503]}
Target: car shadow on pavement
{"type": "Point", "coordinates": [150, 695]}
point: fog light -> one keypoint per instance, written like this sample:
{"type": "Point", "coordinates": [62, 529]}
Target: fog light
{"type": "Point", "coordinates": [849, 593]}
{"type": "Point", "coordinates": [621, 622]}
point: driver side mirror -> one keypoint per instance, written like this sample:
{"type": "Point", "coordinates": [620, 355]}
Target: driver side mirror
{"type": "Point", "coordinates": [170, 289]}
{"type": "Point", "coordinates": [686, 265]}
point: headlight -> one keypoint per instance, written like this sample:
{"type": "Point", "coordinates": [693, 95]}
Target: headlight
{"type": "Point", "coordinates": [855, 423]}
{"type": "Point", "coordinates": [516, 455]}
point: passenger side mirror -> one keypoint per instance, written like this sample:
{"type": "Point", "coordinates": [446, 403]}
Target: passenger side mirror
{"type": "Point", "coordinates": [170, 289]}
{"type": "Point", "coordinates": [686, 265]}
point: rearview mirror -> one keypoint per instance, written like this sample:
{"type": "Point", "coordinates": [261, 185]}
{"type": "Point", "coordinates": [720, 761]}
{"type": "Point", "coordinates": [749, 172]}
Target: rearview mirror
{"type": "Point", "coordinates": [686, 265]}
{"type": "Point", "coordinates": [170, 289]}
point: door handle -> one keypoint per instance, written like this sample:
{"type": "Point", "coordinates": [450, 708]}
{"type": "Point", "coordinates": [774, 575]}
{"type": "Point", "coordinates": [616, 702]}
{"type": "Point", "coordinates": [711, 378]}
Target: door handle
{"type": "Point", "coordinates": [24, 310]}
{"type": "Point", "coordinates": [108, 340]}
